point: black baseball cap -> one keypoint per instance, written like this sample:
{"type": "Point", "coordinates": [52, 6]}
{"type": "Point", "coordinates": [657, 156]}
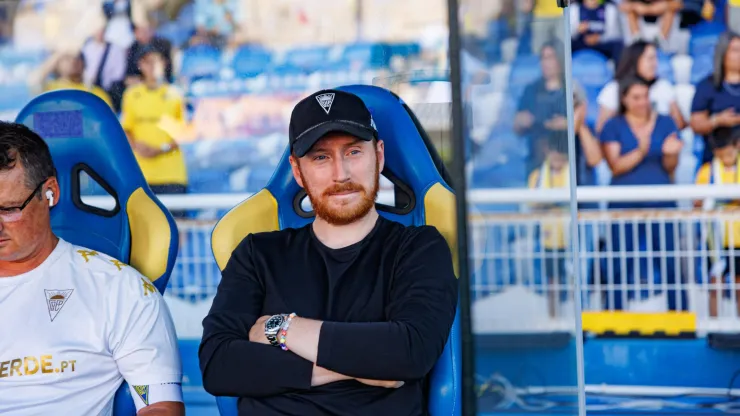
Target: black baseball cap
{"type": "Point", "coordinates": [329, 111]}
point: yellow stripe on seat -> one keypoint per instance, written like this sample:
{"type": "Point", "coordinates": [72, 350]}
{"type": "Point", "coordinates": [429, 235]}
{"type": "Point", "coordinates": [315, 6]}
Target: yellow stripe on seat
{"type": "Point", "coordinates": [257, 214]}
{"type": "Point", "coordinates": [624, 323]}
{"type": "Point", "coordinates": [150, 235]}
{"type": "Point", "coordinates": [439, 211]}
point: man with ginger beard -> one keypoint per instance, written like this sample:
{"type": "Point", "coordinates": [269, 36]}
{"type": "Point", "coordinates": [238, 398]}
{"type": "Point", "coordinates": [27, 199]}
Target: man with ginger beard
{"type": "Point", "coordinates": [345, 316]}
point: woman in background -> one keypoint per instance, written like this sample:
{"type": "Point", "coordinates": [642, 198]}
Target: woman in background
{"type": "Point", "coordinates": [641, 147]}
{"type": "Point", "coordinates": [639, 60]}
{"type": "Point", "coordinates": [717, 99]}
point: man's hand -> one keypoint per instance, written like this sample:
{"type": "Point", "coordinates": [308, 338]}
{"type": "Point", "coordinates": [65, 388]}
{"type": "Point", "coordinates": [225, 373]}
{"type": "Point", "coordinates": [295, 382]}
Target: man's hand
{"type": "Point", "coordinates": [557, 123]}
{"type": "Point", "coordinates": [592, 39]}
{"type": "Point", "coordinates": [727, 118]}
{"type": "Point", "coordinates": [381, 383]}
{"type": "Point", "coordinates": [257, 332]}
{"type": "Point", "coordinates": [524, 119]}
{"type": "Point", "coordinates": [163, 409]}
{"type": "Point", "coordinates": [144, 150]}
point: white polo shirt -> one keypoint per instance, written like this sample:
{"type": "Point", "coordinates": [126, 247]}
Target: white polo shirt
{"type": "Point", "coordinates": [75, 328]}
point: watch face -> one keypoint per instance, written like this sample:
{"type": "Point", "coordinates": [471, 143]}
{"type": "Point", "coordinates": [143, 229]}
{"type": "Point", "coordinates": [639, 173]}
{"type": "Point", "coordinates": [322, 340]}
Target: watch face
{"type": "Point", "coordinates": [274, 323]}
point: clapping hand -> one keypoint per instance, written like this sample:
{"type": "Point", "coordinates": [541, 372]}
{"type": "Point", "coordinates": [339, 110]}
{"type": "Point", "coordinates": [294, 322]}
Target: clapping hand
{"type": "Point", "coordinates": [672, 145]}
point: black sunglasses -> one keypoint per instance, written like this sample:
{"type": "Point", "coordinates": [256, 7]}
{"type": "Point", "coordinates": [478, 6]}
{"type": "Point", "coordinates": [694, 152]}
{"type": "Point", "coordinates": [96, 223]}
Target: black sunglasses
{"type": "Point", "coordinates": [25, 203]}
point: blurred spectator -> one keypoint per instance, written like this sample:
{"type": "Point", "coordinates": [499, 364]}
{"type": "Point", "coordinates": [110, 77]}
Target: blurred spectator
{"type": "Point", "coordinates": [544, 18]}
{"type": "Point", "coordinates": [105, 63]}
{"type": "Point", "coordinates": [145, 37]}
{"type": "Point", "coordinates": [216, 21]}
{"type": "Point", "coordinates": [595, 25]}
{"type": "Point", "coordinates": [694, 11]}
{"type": "Point", "coordinates": [733, 15]}
{"type": "Point", "coordinates": [716, 102]}
{"type": "Point", "coordinates": [66, 69]}
{"type": "Point", "coordinates": [723, 169]}
{"type": "Point", "coordinates": [588, 147]}
{"type": "Point", "coordinates": [541, 108]}
{"type": "Point", "coordinates": [120, 29]}
{"type": "Point", "coordinates": [554, 173]}
{"type": "Point", "coordinates": [639, 60]}
{"type": "Point", "coordinates": [641, 148]}
{"type": "Point", "coordinates": [642, 13]}
{"type": "Point", "coordinates": [149, 108]}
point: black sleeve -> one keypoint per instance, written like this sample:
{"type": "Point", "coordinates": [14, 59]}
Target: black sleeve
{"type": "Point", "coordinates": [232, 365]}
{"type": "Point", "coordinates": [421, 309]}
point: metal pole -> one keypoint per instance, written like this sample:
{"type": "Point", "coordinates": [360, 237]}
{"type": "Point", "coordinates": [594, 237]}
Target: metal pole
{"type": "Point", "coordinates": [575, 245]}
{"type": "Point", "coordinates": [457, 134]}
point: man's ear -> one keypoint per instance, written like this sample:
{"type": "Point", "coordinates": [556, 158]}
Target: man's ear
{"type": "Point", "coordinates": [53, 186]}
{"type": "Point", "coordinates": [380, 153]}
{"type": "Point", "coordinates": [296, 170]}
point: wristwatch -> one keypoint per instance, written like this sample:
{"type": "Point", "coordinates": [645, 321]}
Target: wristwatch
{"type": "Point", "coordinates": [272, 328]}
{"type": "Point", "coordinates": [166, 147]}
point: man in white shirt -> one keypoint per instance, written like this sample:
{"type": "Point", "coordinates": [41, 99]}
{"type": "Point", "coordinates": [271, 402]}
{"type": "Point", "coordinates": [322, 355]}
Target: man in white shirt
{"type": "Point", "coordinates": [76, 323]}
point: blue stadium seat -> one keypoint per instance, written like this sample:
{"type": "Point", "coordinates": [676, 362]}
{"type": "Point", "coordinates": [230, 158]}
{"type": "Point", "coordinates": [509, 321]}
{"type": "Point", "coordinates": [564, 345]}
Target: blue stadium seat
{"type": "Point", "coordinates": [410, 160]}
{"type": "Point", "coordinates": [179, 31]}
{"type": "Point", "coordinates": [359, 56]}
{"type": "Point", "coordinates": [12, 96]}
{"type": "Point", "coordinates": [200, 61]}
{"type": "Point", "coordinates": [406, 50]}
{"type": "Point", "coordinates": [590, 69]}
{"type": "Point", "coordinates": [704, 37]}
{"type": "Point", "coordinates": [702, 68]}
{"type": "Point", "coordinates": [250, 61]}
{"type": "Point", "coordinates": [308, 59]}
{"type": "Point", "coordinates": [665, 68]}
{"type": "Point", "coordinates": [85, 136]}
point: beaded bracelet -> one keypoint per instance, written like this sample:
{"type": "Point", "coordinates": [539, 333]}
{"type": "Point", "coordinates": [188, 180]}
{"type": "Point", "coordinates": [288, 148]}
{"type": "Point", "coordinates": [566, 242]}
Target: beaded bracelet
{"type": "Point", "coordinates": [284, 331]}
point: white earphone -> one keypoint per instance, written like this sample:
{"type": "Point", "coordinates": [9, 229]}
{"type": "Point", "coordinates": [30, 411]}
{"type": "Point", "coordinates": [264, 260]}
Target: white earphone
{"type": "Point", "coordinates": [50, 197]}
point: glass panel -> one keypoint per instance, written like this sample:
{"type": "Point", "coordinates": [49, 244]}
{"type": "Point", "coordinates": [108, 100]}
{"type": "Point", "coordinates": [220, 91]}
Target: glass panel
{"type": "Point", "coordinates": [520, 165]}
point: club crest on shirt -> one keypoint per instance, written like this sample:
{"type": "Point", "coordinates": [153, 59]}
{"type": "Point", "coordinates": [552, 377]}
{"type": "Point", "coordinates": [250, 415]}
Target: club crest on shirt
{"type": "Point", "coordinates": [143, 392]}
{"type": "Point", "coordinates": [55, 300]}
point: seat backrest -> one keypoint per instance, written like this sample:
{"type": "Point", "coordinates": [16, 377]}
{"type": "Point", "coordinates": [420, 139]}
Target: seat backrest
{"type": "Point", "coordinates": [422, 196]}
{"type": "Point", "coordinates": [87, 143]}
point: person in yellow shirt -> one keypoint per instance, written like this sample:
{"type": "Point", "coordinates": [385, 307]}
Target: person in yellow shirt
{"type": "Point", "coordinates": [554, 173]}
{"type": "Point", "coordinates": [544, 17]}
{"type": "Point", "coordinates": [724, 169]}
{"type": "Point", "coordinates": [147, 108]}
{"type": "Point", "coordinates": [67, 68]}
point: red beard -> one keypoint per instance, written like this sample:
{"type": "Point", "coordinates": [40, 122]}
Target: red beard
{"type": "Point", "coordinates": [347, 214]}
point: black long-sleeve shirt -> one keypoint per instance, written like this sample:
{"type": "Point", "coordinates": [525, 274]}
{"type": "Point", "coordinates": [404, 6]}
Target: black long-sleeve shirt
{"type": "Point", "coordinates": [387, 303]}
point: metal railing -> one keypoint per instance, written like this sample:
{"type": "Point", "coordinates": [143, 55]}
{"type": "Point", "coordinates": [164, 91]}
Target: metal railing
{"type": "Point", "coordinates": [647, 261]}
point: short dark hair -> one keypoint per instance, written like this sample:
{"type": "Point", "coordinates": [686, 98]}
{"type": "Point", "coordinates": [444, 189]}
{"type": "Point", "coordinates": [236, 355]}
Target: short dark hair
{"type": "Point", "coordinates": [557, 141]}
{"type": "Point", "coordinates": [724, 136]}
{"type": "Point", "coordinates": [19, 143]}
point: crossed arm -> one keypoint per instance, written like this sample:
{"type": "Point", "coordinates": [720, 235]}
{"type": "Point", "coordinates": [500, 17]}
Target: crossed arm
{"type": "Point", "coordinates": [420, 312]}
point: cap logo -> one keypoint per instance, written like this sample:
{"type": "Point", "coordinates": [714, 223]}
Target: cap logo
{"type": "Point", "coordinates": [325, 101]}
